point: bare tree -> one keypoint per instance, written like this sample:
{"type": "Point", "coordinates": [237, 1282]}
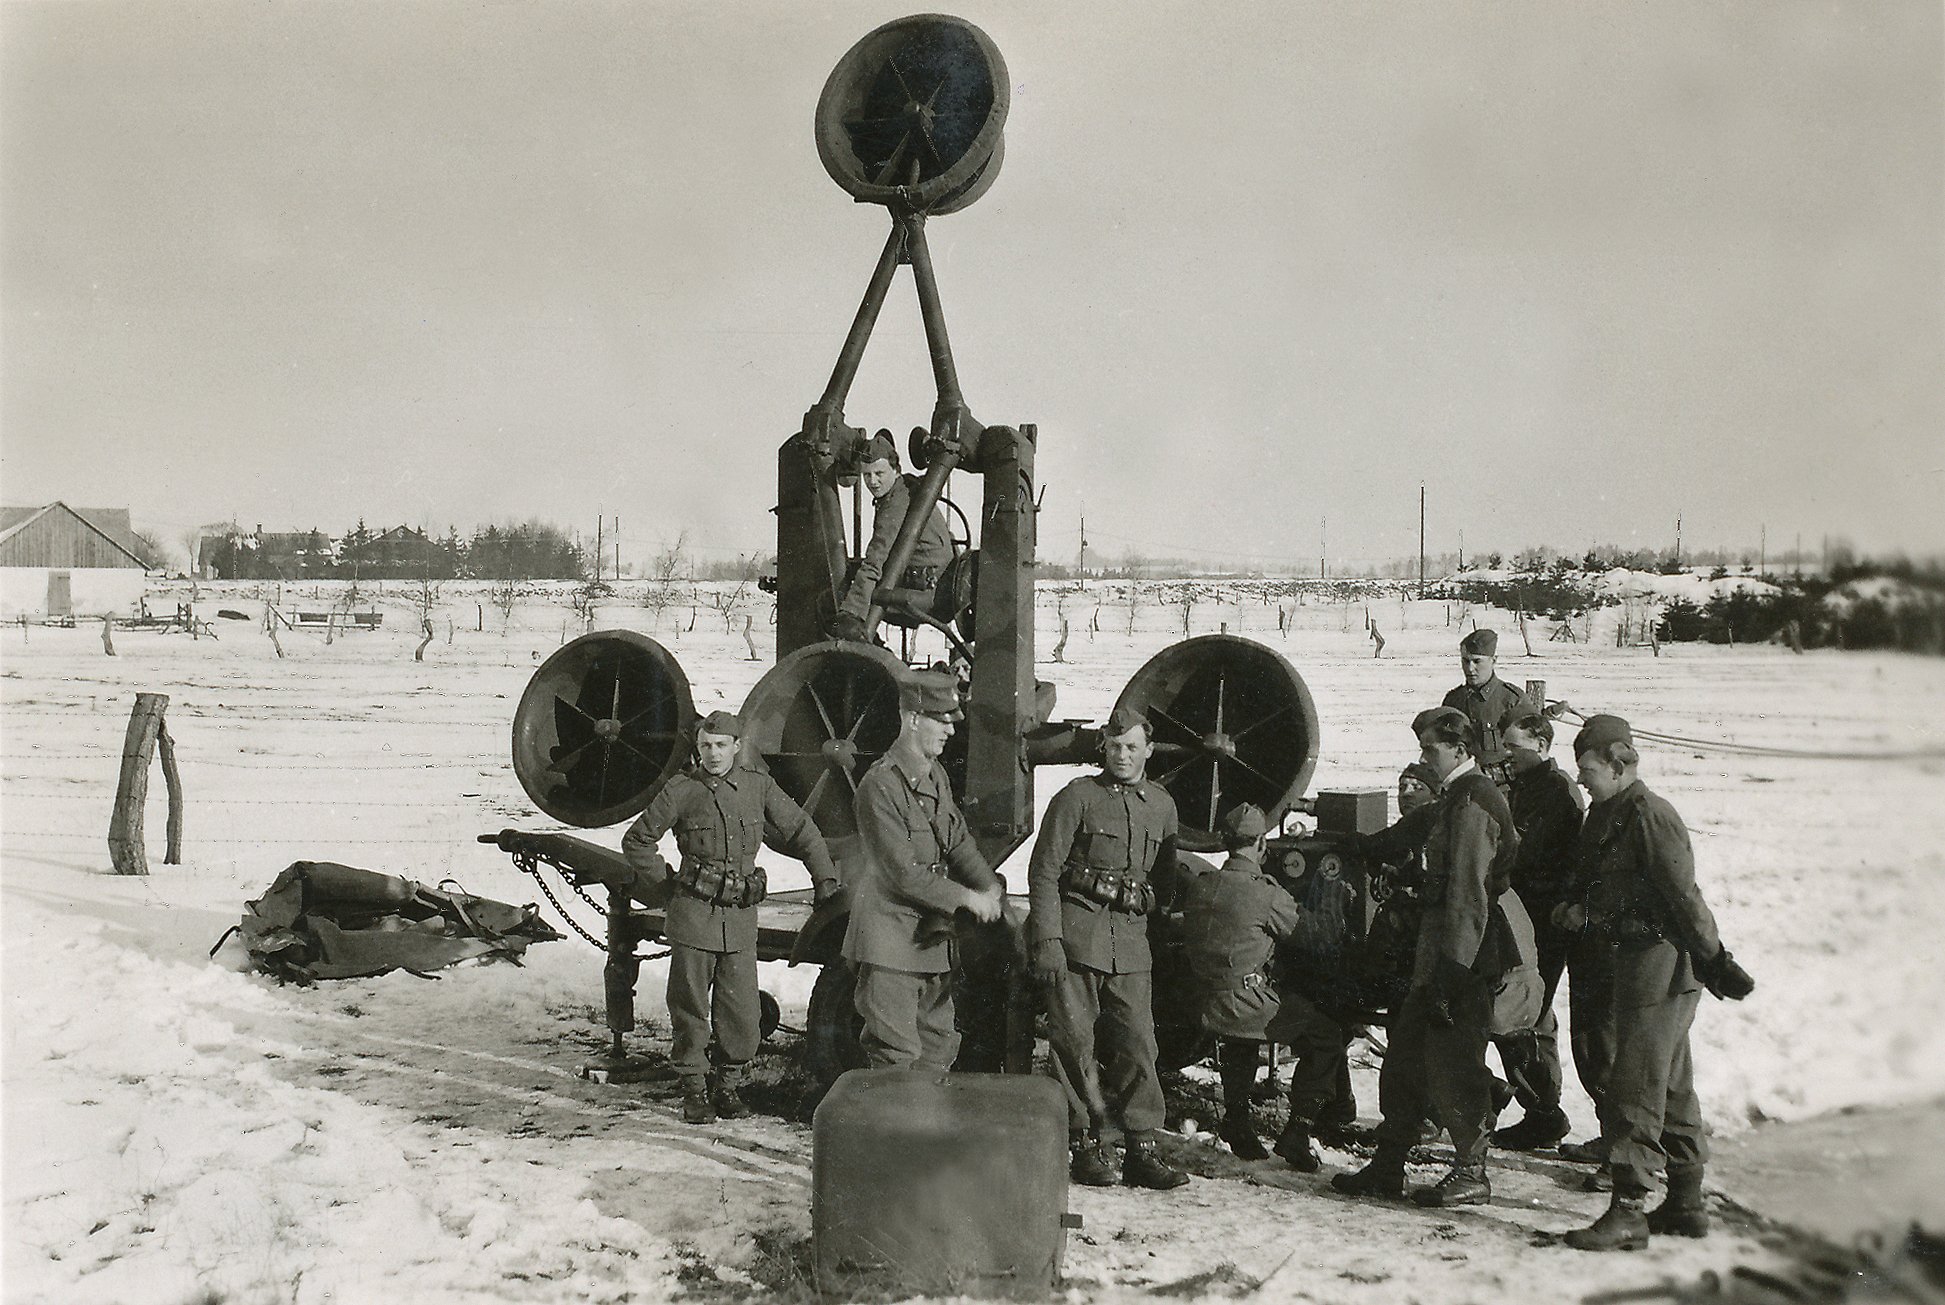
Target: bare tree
{"type": "Point", "coordinates": [662, 590]}
{"type": "Point", "coordinates": [425, 595]}
{"type": "Point", "coordinates": [726, 601]}
{"type": "Point", "coordinates": [586, 598]}
{"type": "Point", "coordinates": [504, 594]}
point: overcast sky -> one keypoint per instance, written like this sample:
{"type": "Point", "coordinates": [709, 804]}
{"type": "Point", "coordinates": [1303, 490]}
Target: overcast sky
{"type": "Point", "coordinates": [1579, 267]}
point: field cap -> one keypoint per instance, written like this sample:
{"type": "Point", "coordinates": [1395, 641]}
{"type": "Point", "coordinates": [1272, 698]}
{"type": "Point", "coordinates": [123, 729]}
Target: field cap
{"type": "Point", "coordinates": [1442, 718]}
{"type": "Point", "coordinates": [722, 722]}
{"type": "Point", "coordinates": [1244, 824]}
{"type": "Point", "coordinates": [879, 448]}
{"type": "Point", "coordinates": [930, 692]}
{"type": "Point", "coordinates": [1123, 719]}
{"type": "Point", "coordinates": [1422, 773]}
{"type": "Point", "coordinates": [1479, 642]}
{"type": "Point", "coordinates": [1600, 730]}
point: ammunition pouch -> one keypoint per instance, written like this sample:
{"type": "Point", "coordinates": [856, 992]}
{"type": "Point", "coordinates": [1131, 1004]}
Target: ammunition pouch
{"type": "Point", "coordinates": [721, 884]}
{"type": "Point", "coordinates": [1115, 889]}
{"type": "Point", "coordinates": [1627, 931]}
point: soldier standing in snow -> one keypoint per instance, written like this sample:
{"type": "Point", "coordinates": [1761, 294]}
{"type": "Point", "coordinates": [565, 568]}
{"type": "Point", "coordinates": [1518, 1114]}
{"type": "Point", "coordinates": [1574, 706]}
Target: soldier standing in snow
{"type": "Point", "coordinates": [722, 812]}
{"type": "Point", "coordinates": [1642, 902]}
{"type": "Point", "coordinates": [1489, 703]}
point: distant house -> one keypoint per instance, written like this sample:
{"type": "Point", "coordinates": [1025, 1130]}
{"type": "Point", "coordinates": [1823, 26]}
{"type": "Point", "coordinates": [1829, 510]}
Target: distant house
{"type": "Point", "coordinates": [60, 561]}
{"type": "Point", "coordinates": [400, 553]}
{"type": "Point", "coordinates": [267, 555]}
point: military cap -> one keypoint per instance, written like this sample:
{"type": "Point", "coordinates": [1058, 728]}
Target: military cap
{"type": "Point", "coordinates": [721, 722]}
{"type": "Point", "coordinates": [879, 448]}
{"type": "Point", "coordinates": [930, 692]}
{"type": "Point", "coordinates": [1422, 773]}
{"type": "Point", "coordinates": [1598, 730]}
{"type": "Point", "coordinates": [1123, 719]}
{"type": "Point", "coordinates": [1441, 718]}
{"type": "Point", "coordinates": [1243, 825]}
{"type": "Point", "coordinates": [1480, 642]}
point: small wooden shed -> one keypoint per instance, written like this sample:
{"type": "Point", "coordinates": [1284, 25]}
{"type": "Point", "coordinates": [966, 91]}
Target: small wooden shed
{"type": "Point", "coordinates": [57, 561]}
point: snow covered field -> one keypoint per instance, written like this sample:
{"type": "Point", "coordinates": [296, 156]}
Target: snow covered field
{"type": "Point", "coordinates": [178, 1132]}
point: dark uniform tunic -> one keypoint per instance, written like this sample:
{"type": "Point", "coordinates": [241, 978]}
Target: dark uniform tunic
{"type": "Point", "coordinates": [1102, 831]}
{"type": "Point", "coordinates": [720, 822]}
{"type": "Point", "coordinates": [1547, 807]}
{"type": "Point", "coordinates": [1645, 911]}
{"type": "Point", "coordinates": [1233, 920]}
{"type": "Point", "coordinates": [1492, 708]}
{"type": "Point", "coordinates": [929, 555]}
{"type": "Point", "coordinates": [1436, 1062]}
{"type": "Point", "coordinates": [899, 936]}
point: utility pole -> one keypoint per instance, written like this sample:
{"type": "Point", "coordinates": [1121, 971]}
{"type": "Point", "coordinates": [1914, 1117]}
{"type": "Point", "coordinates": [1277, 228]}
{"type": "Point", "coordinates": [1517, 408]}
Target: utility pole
{"type": "Point", "coordinates": [1421, 539]}
{"type": "Point", "coordinates": [599, 520]}
{"type": "Point", "coordinates": [1462, 550]}
{"type": "Point", "coordinates": [1678, 541]}
{"type": "Point", "coordinates": [1762, 551]}
{"type": "Point", "coordinates": [1323, 546]}
{"type": "Point", "coordinates": [1796, 555]}
{"type": "Point", "coordinates": [617, 548]}
{"type": "Point", "coordinates": [1081, 566]}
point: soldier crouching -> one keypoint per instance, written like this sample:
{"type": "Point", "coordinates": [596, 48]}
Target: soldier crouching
{"type": "Point", "coordinates": [1638, 875]}
{"type": "Point", "coordinates": [1105, 840]}
{"type": "Point", "coordinates": [1232, 921]}
{"type": "Point", "coordinates": [721, 812]}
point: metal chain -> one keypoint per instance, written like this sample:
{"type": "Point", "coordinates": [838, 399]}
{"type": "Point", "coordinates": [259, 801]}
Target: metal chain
{"type": "Point", "coordinates": [531, 864]}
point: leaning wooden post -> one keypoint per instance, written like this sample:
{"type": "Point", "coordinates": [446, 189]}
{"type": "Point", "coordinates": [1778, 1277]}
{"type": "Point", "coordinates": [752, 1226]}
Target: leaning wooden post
{"type": "Point", "coordinates": [138, 748]}
{"type": "Point", "coordinates": [108, 635]}
{"type": "Point", "coordinates": [172, 780]}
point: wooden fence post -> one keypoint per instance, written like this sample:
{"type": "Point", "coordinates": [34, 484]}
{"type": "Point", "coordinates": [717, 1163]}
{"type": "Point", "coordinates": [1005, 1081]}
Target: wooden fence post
{"type": "Point", "coordinates": [108, 635]}
{"type": "Point", "coordinates": [145, 726]}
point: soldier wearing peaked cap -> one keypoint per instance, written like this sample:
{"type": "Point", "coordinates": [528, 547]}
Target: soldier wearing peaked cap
{"type": "Point", "coordinates": [1104, 853]}
{"type": "Point", "coordinates": [1489, 703]}
{"type": "Point", "coordinates": [1232, 921]}
{"type": "Point", "coordinates": [891, 501]}
{"type": "Point", "coordinates": [920, 867]}
{"type": "Point", "coordinates": [1640, 901]}
{"type": "Point", "coordinates": [721, 811]}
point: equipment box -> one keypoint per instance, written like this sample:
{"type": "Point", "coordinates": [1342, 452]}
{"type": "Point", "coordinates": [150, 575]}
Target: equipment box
{"type": "Point", "coordinates": [945, 1184]}
{"type": "Point", "coordinates": [1351, 811]}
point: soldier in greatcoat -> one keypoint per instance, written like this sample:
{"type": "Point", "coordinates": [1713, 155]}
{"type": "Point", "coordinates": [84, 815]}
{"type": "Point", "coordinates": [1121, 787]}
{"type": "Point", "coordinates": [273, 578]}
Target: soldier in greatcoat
{"type": "Point", "coordinates": [920, 867]}
{"type": "Point", "coordinates": [1232, 921]}
{"type": "Point", "coordinates": [1640, 899]}
{"type": "Point", "coordinates": [1489, 703]}
{"type": "Point", "coordinates": [1104, 853]}
{"type": "Point", "coordinates": [1467, 942]}
{"type": "Point", "coordinates": [721, 812]}
{"type": "Point", "coordinates": [1547, 807]}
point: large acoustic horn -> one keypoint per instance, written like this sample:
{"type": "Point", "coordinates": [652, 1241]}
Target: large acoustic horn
{"type": "Point", "coordinates": [817, 720]}
{"type": "Point", "coordinates": [1233, 723]}
{"type": "Point", "coordinates": [603, 724]}
{"type": "Point", "coordinates": [912, 114]}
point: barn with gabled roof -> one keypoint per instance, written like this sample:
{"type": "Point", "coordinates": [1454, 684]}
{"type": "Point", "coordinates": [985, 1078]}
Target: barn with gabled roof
{"type": "Point", "coordinates": [58, 561]}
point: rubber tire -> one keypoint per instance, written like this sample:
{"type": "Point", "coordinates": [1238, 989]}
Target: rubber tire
{"type": "Point", "coordinates": [768, 1015]}
{"type": "Point", "coordinates": [832, 1026]}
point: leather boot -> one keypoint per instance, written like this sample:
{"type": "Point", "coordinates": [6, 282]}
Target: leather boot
{"type": "Point", "coordinates": [1591, 1152]}
{"type": "Point", "coordinates": [1088, 1163]}
{"type": "Point", "coordinates": [1236, 1062]}
{"type": "Point", "coordinates": [1623, 1227]}
{"type": "Point", "coordinates": [727, 1100]}
{"type": "Point", "coordinates": [1462, 1185]}
{"type": "Point", "coordinates": [1681, 1212]}
{"type": "Point", "coordinates": [1384, 1176]}
{"type": "Point", "coordinates": [1540, 1128]}
{"type": "Point", "coordinates": [1142, 1165]}
{"type": "Point", "coordinates": [1294, 1146]}
{"type": "Point", "coordinates": [696, 1106]}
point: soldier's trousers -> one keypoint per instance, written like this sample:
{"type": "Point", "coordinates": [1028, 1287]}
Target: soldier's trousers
{"type": "Point", "coordinates": [1102, 1031]}
{"type": "Point", "coordinates": [1438, 1073]}
{"type": "Point", "coordinates": [1590, 1013]}
{"type": "Point", "coordinates": [1532, 1058]}
{"type": "Point", "coordinates": [1320, 1082]}
{"type": "Point", "coordinates": [1651, 1118]}
{"type": "Point", "coordinates": [711, 989]}
{"type": "Point", "coordinates": [908, 1018]}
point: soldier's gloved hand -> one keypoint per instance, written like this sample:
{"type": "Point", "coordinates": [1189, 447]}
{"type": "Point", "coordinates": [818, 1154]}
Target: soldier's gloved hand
{"type": "Point", "coordinates": [825, 890]}
{"type": "Point", "coordinates": [1571, 916]}
{"type": "Point", "coordinates": [1049, 960]}
{"type": "Point", "coordinates": [846, 626]}
{"type": "Point", "coordinates": [1726, 979]}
